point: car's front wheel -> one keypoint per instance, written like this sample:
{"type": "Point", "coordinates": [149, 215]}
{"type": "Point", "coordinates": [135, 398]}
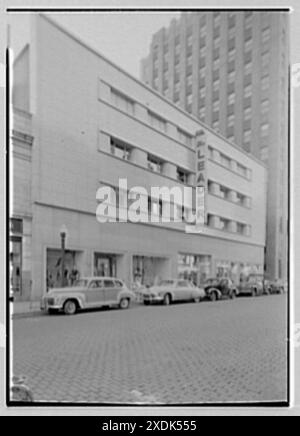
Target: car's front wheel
{"type": "Point", "coordinates": [167, 300]}
{"type": "Point", "coordinates": [213, 296]}
{"type": "Point", "coordinates": [124, 303]}
{"type": "Point", "coordinates": [70, 307]}
{"type": "Point", "coordinates": [233, 294]}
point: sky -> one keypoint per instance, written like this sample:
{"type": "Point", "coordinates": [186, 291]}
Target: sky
{"type": "Point", "coordinates": [122, 37]}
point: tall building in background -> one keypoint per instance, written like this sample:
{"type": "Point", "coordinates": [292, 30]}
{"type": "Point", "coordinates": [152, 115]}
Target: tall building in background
{"type": "Point", "coordinates": [230, 70]}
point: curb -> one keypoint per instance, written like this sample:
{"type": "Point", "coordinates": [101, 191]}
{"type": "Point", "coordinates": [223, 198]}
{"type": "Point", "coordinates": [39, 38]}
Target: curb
{"type": "Point", "coordinates": [33, 313]}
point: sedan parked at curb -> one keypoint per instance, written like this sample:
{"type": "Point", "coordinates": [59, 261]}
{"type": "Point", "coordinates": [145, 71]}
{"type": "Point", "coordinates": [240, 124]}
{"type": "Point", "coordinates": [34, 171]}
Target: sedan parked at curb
{"type": "Point", "coordinates": [169, 291]}
{"type": "Point", "coordinates": [88, 293]}
{"type": "Point", "coordinates": [216, 289]}
{"type": "Point", "coordinates": [253, 285]}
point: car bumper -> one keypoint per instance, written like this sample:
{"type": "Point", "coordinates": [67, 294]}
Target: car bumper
{"type": "Point", "coordinates": [46, 305]}
{"type": "Point", "coordinates": [153, 299]}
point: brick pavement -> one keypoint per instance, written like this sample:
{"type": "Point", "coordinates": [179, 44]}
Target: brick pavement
{"type": "Point", "coordinates": [187, 353]}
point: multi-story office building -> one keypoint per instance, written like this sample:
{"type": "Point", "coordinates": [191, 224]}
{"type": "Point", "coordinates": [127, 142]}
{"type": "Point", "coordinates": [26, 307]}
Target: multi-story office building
{"type": "Point", "coordinates": [81, 122]}
{"type": "Point", "coordinates": [230, 69]}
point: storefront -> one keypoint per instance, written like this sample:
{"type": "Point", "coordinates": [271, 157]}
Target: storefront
{"type": "Point", "coordinates": [236, 270]}
{"type": "Point", "coordinates": [105, 265]}
{"type": "Point", "coordinates": [147, 270]}
{"type": "Point", "coordinates": [72, 267]}
{"type": "Point", "coordinates": [196, 268]}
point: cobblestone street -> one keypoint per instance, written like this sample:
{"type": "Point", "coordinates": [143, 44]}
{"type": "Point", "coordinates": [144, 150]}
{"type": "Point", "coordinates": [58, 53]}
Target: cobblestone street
{"type": "Point", "coordinates": [188, 353]}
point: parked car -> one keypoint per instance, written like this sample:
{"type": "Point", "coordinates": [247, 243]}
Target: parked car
{"type": "Point", "coordinates": [216, 289]}
{"type": "Point", "coordinates": [87, 293]}
{"type": "Point", "coordinates": [252, 285]}
{"type": "Point", "coordinates": [169, 291]}
{"type": "Point", "coordinates": [277, 287]}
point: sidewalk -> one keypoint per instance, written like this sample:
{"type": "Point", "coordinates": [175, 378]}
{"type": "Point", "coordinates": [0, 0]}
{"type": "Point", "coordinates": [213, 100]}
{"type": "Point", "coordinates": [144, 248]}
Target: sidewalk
{"type": "Point", "coordinates": [25, 308]}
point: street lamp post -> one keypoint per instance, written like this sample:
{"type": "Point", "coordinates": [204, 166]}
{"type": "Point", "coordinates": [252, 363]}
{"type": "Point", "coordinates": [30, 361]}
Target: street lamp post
{"type": "Point", "coordinates": [63, 234]}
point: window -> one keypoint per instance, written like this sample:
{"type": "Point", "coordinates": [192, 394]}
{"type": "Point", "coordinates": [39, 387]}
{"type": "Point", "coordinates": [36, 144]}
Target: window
{"type": "Point", "coordinates": [231, 33]}
{"type": "Point", "coordinates": [247, 136]}
{"type": "Point", "coordinates": [241, 170]}
{"type": "Point", "coordinates": [224, 192]}
{"type": "Point", "coordinates": [264, 130]}
{"type": "Point", "coordinates": [202, 92]}
{"type": "Point", "coordinates": [185, 138]}
{"type": "Point", "coordinates": [231, 20]}
{"type": "Point", "coordinates": [248, 91]}
{"type": "Point", "coordinates": [177, 87]}
{"type": "Point", "coordinates": [248, 45]}
{"type": "Point", "coordinates": [248, 19]}
{"type": "Point", "coordinates": [122, 102]}
{"type": "Point", "coordinates": [189, 80]}
{"type": "Point", "coordinates": [248, 68]}
{"type": "Point", "coordinates": [216, 64]}
{"type": "Point", "coordinates": [231, 98]}
{"type": "Point", "coordinates": [216, 125]}
{"type": "Point", "coordinates": [225, 161]}
{"type": "Point", "coordinates": [182, 176]}
{"type": "Point", "coordinates": [224, 224]}
{"type": "Point", "coordinates": [202, 52]}
{"type": "Point", "coordinates": [217, 18]}
{"type": "Point", "coordinates": [241, 199]}
{"type": "Point", "coordinates": [264, 154]}
{"type": "Point", "coordinates": [120, 150]}
{"type": "Point", "coordinates": [231, 77]}
{"type": "Point", "coordinates": [189, 61]}
{"type": "Point", "coordinates": [216, 85]}
{"type": "Point", "coordinates": [265, 106]}
{"type": "Point", "coordinates": [265, 83]}
{"type": "Point", "coordinates": [157, 122]}
{"type": "Point", "coordinates": [241, 228]}
{"type": "Point", "coordinates": [202, 72]}
{"type": "Point", "coordinates": [202, 31]}
{"type": "Point", "coordinates": [154, 164]}
{"type": "Point", "coordinates": [217, 42]}
{"type": "Point", "coordinates": [109, 284]}
{"type": "Point", "coordinates": [266, 34]}
{"type": "Point", "coordinates": [189, 40]}
{"type": "Point", "coordinates": [248, 113]}
{"type": "Point", "coordinates": [216, 105]}
{"type": "Point", "coordinates": [189, 99]}
{"type": "Point", "coordinates": [231, 54]}
{"type": "Point", "coordinates": [230, 120]}
{"type": "Point", "coordinates": [202, 113]}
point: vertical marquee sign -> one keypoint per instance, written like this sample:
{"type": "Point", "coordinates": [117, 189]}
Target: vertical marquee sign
{"type": "Point", "coordinates": [201, 179]}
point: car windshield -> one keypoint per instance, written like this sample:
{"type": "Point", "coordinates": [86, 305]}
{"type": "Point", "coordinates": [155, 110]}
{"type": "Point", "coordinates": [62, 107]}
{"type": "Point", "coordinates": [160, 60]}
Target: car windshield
{"type": "Point", "coordinates": [166, 283]}
{"type": "Point", "coordinates": [211, 281]}
{"type": "Point", "coordinates": [81, 283]}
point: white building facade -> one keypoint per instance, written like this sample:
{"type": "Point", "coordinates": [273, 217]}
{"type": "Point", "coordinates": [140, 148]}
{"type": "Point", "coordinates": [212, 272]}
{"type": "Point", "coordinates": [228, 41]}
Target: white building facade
{"type": "Point", "coordinates": [80, 122]}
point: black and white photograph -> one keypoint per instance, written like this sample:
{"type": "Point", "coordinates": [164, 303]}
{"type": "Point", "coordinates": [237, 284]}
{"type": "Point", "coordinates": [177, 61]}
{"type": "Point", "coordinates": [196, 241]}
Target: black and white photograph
{"type": "Point", "coordinates": [148, 207]}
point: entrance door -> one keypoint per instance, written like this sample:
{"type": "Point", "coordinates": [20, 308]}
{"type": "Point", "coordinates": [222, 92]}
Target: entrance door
{"type": "Point", "coordinates": [105, 265]}
{"type": "Point", "coordinates": [95, 294]}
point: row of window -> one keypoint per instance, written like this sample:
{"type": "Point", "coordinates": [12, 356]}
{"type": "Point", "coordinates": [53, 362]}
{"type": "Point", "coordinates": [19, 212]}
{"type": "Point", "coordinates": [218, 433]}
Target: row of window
{"type": "Point", "coordinates": [228, 194]}
{"type": "Point", "coordinates": [228, 225]}
{"type": "Point", "coordinates": [228, 163]}
{"type": "Point", "coordinates": [124, 151]}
